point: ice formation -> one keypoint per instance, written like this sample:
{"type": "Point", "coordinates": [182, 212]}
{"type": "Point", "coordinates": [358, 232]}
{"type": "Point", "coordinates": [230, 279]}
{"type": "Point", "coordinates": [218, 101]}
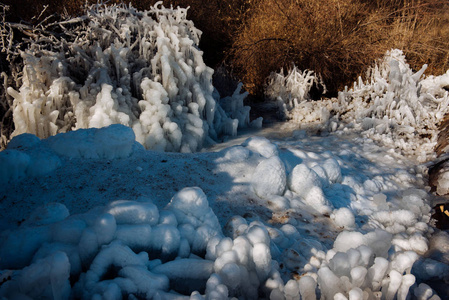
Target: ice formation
{"type": "Point", "coordinates": [16, 162]}
{"type": "Point", "coordinates": [28, 156]}
{"type": "Point", "coordinates": [395, 106]}
{"type": "Point", "coordinates": [399, 105]}
{"type": "Point", "coordinates": [261, 146]}
{"type": "Point", "coordinates": [114, 141]}
{"type": "Point", "coordinates": [129, 247]}
{"type": "Point", "coordinates": [269, 178]}
{"type": "Point", "coordinates": [139, 69]}
{"type": "Point", "coordinates": [291, 90]}
{"type": "Point", "coordinates": [240, 265]}
{"type": "Point", "coordinates": [334, 232]}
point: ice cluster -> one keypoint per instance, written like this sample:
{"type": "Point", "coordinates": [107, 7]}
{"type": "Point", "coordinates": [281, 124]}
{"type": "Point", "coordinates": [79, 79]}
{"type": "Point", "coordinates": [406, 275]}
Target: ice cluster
{"type": "Point", "coordinates": [28, 156]}
{"type": "Point", "coordinates": [124, 248]}
{"type": "Point", "coordinates": [269, 178]}
{"type": "Point", "coordinates": [334, 233]}
{"type": "Point", "coordinates": [395, 106]}
{"type": "Point", "coordinates": [134, 248]}
{"type": "Point", "coordinates": [291, 90]}
{"type": "Point", "coordinates": [372, 259]}
{"type": "Point", "coordinates": [376, 262]}
{"type": "Point", "coordinates": [276, 175]}
{"type": "Point", "coordinates": [400, 105]}
{"type": "Point", "coordinates": [139, 69]}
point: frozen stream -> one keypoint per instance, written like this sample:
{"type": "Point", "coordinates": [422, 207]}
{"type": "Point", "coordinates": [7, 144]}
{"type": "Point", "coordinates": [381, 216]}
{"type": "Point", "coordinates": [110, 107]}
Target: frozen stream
{"type": "Point", "coordinates": [303, 213]}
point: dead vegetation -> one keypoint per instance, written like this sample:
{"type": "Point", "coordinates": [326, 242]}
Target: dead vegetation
{"type": "Point", "coordinates": [338, 39]}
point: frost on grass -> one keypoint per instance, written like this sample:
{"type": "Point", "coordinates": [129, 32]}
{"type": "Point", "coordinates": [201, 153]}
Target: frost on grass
{"type": "Point", "coordinates": [117, 65]}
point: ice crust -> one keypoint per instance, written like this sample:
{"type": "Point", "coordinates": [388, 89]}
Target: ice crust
{"type": "Point", "coordinates": [141, 69]}
{"type": "Point", "coordinates": [136, 247]}
{"type": "Point", "coordinates": [333, 233]}
{"type": "Point", "coordinates": [28, 156]}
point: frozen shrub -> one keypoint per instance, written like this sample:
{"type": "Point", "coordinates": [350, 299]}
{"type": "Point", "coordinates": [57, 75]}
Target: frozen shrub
{"type": "Point", "coordinates": [394, 105]}
{"type": "Point", "coordinates": [117, 65]}
{"type": "Point", "coordinates": [292, 89]}
{"type": "Point", "coordinates": [397, 103]}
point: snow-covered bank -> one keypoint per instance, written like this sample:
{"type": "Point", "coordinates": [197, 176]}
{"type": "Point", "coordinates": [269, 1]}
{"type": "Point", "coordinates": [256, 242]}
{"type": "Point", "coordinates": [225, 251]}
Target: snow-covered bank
{"type": "Point", "coordinates": [268, 218]}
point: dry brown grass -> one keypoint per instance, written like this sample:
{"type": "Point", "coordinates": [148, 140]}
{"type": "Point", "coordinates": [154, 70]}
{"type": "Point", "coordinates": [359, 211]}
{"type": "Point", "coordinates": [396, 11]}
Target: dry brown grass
{"type": "Point", "coordinates": [339, 38]}
{"type": "Point", "coordinates": [336, 38]}
{"type": "Point", "coordinates": [422, 31]}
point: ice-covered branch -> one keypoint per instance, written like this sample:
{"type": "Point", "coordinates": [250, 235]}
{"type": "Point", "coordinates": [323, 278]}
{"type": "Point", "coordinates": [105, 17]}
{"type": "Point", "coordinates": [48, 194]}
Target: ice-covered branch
{"type": "Point", "coordinates": [117, 65]}
{"type": "Point", "coordinates": [292, 89]}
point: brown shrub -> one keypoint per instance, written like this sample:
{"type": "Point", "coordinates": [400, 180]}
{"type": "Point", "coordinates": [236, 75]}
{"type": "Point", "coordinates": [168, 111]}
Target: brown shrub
{"type": "Point", "coordinates": [338, 38]}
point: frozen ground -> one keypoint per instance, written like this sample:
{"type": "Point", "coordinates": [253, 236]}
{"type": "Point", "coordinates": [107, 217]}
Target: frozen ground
{"type": "Point", "coordinates": [331, 205]}
{"type": "Point", "coordinates": [282, 211]}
